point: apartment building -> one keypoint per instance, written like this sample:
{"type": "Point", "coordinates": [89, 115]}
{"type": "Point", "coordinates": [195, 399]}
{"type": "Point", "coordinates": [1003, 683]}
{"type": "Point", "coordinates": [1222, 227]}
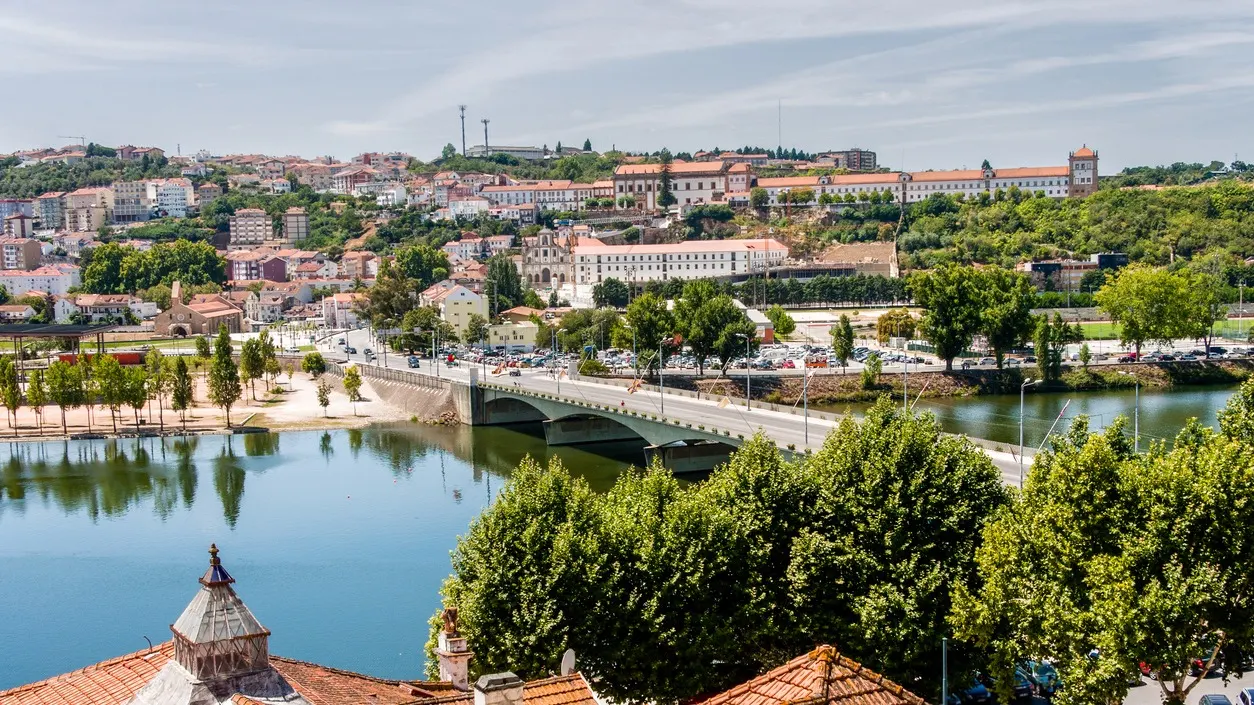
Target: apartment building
{"type": "Point", "coordinates": [130, 202]}
{"type": "Point", "coordinates": [172, 197]}
{"type": "Point", "coordinates": [11, 206]}
{"type": "Point", "coordinates": [698, 259]}
{"type": "Point", "coordinates": [50, 209]}
{"type": "Point", "coordinates": [19, 225]}
{"type": "Point", "coordinates": [53, 280]}
{"type": "Point", "coordinates": [359, 264]}
{"type": "Point", "coordinates": [207, 193]}
{"type": "Point", "coordinates": [250, 228]}
{"type": "Point", "coordinates": [19, 252]}
{"type": "Point", "coordinates": [455, 304]}
{"type": "Point", "coordinates": [295, 226]}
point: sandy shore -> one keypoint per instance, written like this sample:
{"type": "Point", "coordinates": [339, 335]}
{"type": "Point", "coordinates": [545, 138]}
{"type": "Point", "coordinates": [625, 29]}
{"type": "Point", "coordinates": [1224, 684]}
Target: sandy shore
{"type": "Point", "coordinates": [290, 406]}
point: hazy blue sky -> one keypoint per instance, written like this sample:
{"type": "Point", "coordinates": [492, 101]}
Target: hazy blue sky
{"type": "Point", "coordinates": [926, 84]}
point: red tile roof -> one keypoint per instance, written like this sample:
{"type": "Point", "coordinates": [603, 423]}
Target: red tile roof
{"type": "Point", "coordinates": [1083, 152]}
{"type": "Point", "coordinates": [322, 685]}
{"type": "Point", "coordinates": [558, 690]}
{"type": "Point", "coordinates": [819, 677]}
{"type": "Point", "coordinates": [109, 682]}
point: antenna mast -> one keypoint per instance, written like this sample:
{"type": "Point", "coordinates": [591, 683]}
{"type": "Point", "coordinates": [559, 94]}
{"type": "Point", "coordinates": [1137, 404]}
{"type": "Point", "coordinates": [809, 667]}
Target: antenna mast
{"type": "Point", "coordinates": [462, 110]}
{"type": "Point", "coordinates": [486, 152]}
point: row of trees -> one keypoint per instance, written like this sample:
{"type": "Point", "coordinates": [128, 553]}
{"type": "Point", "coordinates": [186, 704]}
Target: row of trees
{"type": "Point", "coordinates": [962, 302]}
{"type": "Point", "coordinates": [100, 380]}
{"type": "Point", "coordinates": [704, 318]}
{"type": "Point", "coordinates": [115, 269]}
{"type": "Point", "coordinates": [862, 289]}
{"type": "Point", "coordinates": [887, 540]}
{"type": "Point", "coordinates": [1157, 305]}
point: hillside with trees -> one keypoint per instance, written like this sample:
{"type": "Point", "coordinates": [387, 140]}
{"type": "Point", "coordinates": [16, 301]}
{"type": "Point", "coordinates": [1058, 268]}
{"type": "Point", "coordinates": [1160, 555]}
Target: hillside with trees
{"type": "Point", "coordinates": [18, 181]}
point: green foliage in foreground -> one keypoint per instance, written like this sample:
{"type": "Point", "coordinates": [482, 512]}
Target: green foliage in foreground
{"type": "Point", "coordinates": [667, 590]}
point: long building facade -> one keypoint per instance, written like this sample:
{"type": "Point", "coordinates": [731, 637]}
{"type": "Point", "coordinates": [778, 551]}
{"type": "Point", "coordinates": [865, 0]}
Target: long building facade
{"type": "Point", "coordinates": [695, 259]}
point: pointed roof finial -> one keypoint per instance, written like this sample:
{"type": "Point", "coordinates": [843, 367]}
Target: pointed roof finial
{"type": "Point", "coordinates": [216, 575]}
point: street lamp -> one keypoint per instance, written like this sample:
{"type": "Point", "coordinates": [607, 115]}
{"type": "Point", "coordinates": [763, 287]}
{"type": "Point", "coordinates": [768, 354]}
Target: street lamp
{"type": "Point", "coordinates": [748, 369]}
{"type": "Point", "coordinates": [1029, 382]}
{"type": "Point", "coordinates": [661, 383]}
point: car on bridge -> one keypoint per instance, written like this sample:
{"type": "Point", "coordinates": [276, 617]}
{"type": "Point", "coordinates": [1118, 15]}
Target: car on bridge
{"type": "Point", "coordinates": [414, 362]}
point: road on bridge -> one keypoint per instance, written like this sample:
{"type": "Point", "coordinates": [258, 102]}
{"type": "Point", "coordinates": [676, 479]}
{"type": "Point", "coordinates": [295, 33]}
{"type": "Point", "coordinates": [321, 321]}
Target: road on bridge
{"type": "Point", "coordinates": [784, 428]}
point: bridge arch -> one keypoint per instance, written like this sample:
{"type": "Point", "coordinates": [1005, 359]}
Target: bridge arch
{"type": "Point", "coordinates": [502, 411]}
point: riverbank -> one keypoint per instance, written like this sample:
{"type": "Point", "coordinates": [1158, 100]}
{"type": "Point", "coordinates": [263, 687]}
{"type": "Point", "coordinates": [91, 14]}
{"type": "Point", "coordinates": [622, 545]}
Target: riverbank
{"type": "Point", "coordinates": [825, 388]}
{"type": "Point", "coordinates": [289, 406]}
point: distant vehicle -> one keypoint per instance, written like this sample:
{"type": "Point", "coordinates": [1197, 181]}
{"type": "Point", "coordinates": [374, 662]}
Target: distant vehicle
{"type": "Point", "coordinates": [1043, 676]}
{"type": "Point", "coordinates": [515, 372]}
{"type": "Point", "coordinates": [1167, 357]}
{"type": "Point", "coordinates": [1130, 357]}
{"type": "Point", "coordinates": [967, 364]}
{"type": "Point", "coordinates": [1030, 360]}
{"type": "Point", "coordinates": [414, 362]}
{"type": "Point", "coordinates": [1012, 362]}
{"type": "Point", "coordinates": [1215, 699]}
{"type": "Point", "coordinates": [369, 351]}
{"type": "Point", "coordinates": [350, 350]}
{"type": "Point", "coordinates": [987, 361]}
{"type": "Point", "coordinates": [342, 342]}
{"type": "Point", "coordinates": [291, 349]}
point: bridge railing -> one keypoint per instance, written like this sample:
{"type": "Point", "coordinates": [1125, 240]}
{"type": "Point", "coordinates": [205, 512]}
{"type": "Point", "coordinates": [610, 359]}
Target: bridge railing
{"type": "Point", "coordinates": [389, 374]}
{"type": "Point", "coordinates": [797, 410]}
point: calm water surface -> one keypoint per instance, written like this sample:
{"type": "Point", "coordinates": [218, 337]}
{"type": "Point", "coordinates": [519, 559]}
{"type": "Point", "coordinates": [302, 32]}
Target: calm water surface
{"type": "Point", "coordinates": [338, 541]}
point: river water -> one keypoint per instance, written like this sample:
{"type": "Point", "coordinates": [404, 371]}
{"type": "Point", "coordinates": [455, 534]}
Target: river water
{"type": "Point", "coordinates": [338, 541]}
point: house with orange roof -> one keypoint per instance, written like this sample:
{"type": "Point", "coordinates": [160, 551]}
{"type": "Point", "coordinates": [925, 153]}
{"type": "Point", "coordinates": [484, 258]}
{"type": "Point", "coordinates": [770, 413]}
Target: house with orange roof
{"type": "Point", "coordinates": [455, 303]}
{"type": "Point", "coordinates": [340, 310]}
{"type": "Point", "coordinates": [823, 676]}
{"type": "Point", "coordinates": [692, 183]}
{"type": "Point", "coordinates": [203, 315]}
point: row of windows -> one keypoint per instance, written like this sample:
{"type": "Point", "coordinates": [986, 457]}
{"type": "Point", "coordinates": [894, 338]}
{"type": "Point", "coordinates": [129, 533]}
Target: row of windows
{"type": "Point", "coordinates": [674, 258]}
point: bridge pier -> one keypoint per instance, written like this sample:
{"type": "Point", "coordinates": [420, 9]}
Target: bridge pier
{"type": "Point", "coordinates": [505, 411]}
{"type": "Point", "coordinates": [687, 456]}
{"type": "Point", "coordinates": [580, 430]}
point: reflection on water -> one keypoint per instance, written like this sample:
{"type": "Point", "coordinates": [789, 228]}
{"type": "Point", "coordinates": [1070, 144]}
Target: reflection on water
{"type": "Point", "coordinates": [374, 512]}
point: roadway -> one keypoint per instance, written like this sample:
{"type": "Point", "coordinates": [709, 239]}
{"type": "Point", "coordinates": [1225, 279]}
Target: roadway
{"type": "Point", "coordinates": [785, 429]}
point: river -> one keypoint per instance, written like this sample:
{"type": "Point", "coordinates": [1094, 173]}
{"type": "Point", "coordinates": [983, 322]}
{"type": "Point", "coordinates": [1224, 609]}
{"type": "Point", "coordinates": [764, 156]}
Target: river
{"type": "Point", "coordinates": [338, 540]}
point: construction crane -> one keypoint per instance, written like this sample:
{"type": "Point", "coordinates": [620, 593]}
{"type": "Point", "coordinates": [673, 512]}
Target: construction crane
{"type": "Point", "coordinates": [81, 140]}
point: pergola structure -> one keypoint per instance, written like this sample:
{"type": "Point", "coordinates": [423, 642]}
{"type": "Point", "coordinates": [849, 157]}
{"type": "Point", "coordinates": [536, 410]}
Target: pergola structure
{"type": "Point", "coordinates": [20, 332]}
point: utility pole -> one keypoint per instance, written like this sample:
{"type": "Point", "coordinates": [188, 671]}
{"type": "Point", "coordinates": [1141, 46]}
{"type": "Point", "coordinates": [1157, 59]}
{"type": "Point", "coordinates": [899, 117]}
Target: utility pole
{"type": "Point", "coordinates": [462, 109]}
{"type": "Point", "coordinates": [486, 152]}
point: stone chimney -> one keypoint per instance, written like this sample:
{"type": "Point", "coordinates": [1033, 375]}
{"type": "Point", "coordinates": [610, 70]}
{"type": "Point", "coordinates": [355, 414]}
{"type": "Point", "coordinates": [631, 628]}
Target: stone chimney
{"type": "Point", "coordinates": [499, 689]}
{"type": "Point", "coordinates": [453, 654]}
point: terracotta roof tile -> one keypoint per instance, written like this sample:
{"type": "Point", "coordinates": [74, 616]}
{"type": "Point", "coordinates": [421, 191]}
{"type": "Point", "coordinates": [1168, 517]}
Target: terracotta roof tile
{"type": "Point", "coordinates": [109, 682]}
{"type": "Point", "coordinates": [323, 685]}
{"type": "Point", "coordinates": [822, 676]}
{"type": "Point", "coordinates": [558, 690]}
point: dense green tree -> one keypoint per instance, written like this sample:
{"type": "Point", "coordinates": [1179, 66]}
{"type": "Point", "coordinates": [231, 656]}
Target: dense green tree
{"type": "Point", "coordinates": [252, 364]}
{"type": "Point", "coordinates": [503, 283]}
{"type": "Point", "coordinates": [894, 323]}
{"type": "Point", "coordinates": [782, 322]}
{"type": "Point", "coordinates": [665, 198]}
{"type": "Point", "coordinates": [759, 197]}
{"type": "Point", "coordinates": [1006, 315]}
{"type": "Point", "coordinates": [476, 329]}
{"type": "Point", "coordinates": [667, 590]}
{"type": "Point", "coordinates": [705, 316]}
{"type": "Point", "coordinates": [424, 264]}
{"type": "Point", "coordinates": [111, 384]}
{"type": "Point", "coordinates": [65, 388]}
{"type": "Point", "coordinates": [137, 392]}
{"type": "Point", "coordinates": [313, 364]}
{"type": "Point", "coordinates": [1051, 340]}
{"type": "Point", "coordinates": [324, 395]}
{"type": "Point", "coordinates": [650, 324]}
{"type": "Point", "coordinates": [587, 145]}
{"type": "Point", "coordinates": [181, 389]}
{"type": "Point", "coordinates": [10, 391]}
{"type": "Point", "coordinates": [842, 341]}
{"type": "Point", "coordinates": [532, 300]}
{"type": "Point", "coordinates": [115, 269]}
{"type": "Point", "coordinates": [1148, 304]}
{"type": "Point", "coordinates": [952, 302]}
{"type": "Point", "coordinates": [224, 384]}
{"type": "Point", "coordinates": [37, 395]}
{"type": "Point", "coordinates": [1109, 559]}
{"type": "Point", "coordinates": [610, 292]}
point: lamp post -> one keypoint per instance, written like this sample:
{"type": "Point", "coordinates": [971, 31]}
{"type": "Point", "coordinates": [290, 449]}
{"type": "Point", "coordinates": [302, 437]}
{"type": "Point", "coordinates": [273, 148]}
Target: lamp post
{"type": "Point", "coordinates": [805, 397]}
{"type": "Point", "coordinates": [748, 369]}
{"type": "Point", "coordinates": [661, 383]}
{"type": "Point", "coordinates": [557, 376]}
{"type": "Point", "coordinates": [1022, 388]}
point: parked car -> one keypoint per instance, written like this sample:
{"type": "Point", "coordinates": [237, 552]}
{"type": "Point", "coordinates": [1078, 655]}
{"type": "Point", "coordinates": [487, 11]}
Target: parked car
{"type": "Point", "coordinates": [987, 361]}
{"type": "Point", "coordinates": [1214, 699]}
{"type": "Point", "coordinates": [1012, 362]}
{"type": "Point", "coordinates": [515, 372]}
{"type": "Point", "coordinates": [413, 362]}
{"type": "Point", "coordinates": [1030, 360]}
{"type": "Point", "coordinates": [1130, 357]}
{"type": "Point", "coordinates": [1043, 677]}
{"type": "Point", "coordinates": [291, 349]}
{"type": "Point", "coordinates": [1246, 696]}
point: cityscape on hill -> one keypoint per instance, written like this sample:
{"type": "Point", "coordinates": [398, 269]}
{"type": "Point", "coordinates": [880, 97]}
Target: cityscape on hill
{"type": "Point", "coordinates": [578, 392]}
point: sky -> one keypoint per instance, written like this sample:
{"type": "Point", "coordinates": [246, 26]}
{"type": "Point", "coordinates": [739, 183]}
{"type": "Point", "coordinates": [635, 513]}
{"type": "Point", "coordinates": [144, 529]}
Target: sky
{"type": "Point", "coordinates": [925, 84]}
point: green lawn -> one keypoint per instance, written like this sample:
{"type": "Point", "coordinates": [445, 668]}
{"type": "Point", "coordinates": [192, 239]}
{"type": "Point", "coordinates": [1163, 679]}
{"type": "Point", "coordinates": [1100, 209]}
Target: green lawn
{"type": "Point", "coordinates": [1104, 330]}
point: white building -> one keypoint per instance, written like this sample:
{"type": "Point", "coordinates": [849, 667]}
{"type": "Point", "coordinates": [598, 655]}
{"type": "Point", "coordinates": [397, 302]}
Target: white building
{"type": "Point", "coordinates": [250, 228]}
{"type": "Point", "coordinates": [468, 207]}
{"type": "Point", "coordinates": [697, 259]}
{"type": "Point", "coordinates": [54, 280]}
{"type": "Point", "coordinates": [555, 195]}
{"type": "Point", "coordinates": [691, 182]}
{"type": "Point", "coordinates": [467, 248]}
{"type": "Point", "coordinates": [173, 199]}
{"type": "Point", "coordinates": [339, 310]}
{"type": "Point", "coordinates": [455, 304]}
{"type": "Point", "coordinates": [130, 202]}
{"type": "Point", "coordinates": [513, 337]}
{"type": "Point", "coordinates": [479, 151]}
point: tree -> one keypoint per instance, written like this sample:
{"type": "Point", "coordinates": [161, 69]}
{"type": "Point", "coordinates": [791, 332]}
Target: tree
{"type": "Point", "coordinates": [424, 264]}
{"type": "Point", "coordinates": [352, 385]}
{"type": "Point", "coordinates": [842, 341]}
{"type": "Point", "coordinates": [112, 385]}
{"type": "Point", "coordinates": [1204, 306]}
{"type": "Point", "coordinates": [758, 197]}
{"type": "Point", "coordinates": [324, 396]}
{"type": "Point", "coordinates": [1006, 317]}
{"type": "Point", "coordinates": [251, 364]}
{"type": "Point", "coordinates": [651, 323]}
{"type": "Point", "coordinates": [1148, 304]}
{"type": "Point", "coordinates": [290, 370]}
{"type": "Point", "coordinates": [952, 301]}
{"type": "Point", "coordinates": [272, 370]}
{"type": "Point", "coordinates": [449, 151]}
{"type": "Point", "coordinates": [894, 323]}
{"type": "Point", "coordinates": [782, 322]}
{"type": "Point", "coordinates": [765, 558]}
{"type": "Point", "coordinates": [610, 292]}
{"type": "Point", "coordinates": [703, 315]}
{"type": "Point", "coordinates": [160, 377]}
{"type": "Point", "coordinates": [532, 300]}
{"type": "Point", "coordinates": [1108, 559]}
{"type": "Point", "coordinates": [65, 388]}
{"type": "Point", "coordinates": [10, 390]}
{"type": "Point", "coordinates": [476, 329]}
{"type": "Point", "coordinates": [587, 145]}
{"type": "Point", "coordinates": [224, 382]}
{"type": "Point", "coordinates": [37, 395]}
{"type": "Point", "coordinates": [1052, 338]}
{"type": "Point", "coordinates": [1086, 355]}
{"type": "Point", "coordinates": [665, 198]}
{"type": "Point", "coordinates": [203, 349]}
{"type": "Point", "coordinates": [313, 364]}
{"type": "Point", "coordinates": [503, 283]}
{"type": "Point", "coordinates": [181, 389]}
{"type": "Point", "coordinates": [871, 370]}
{"type": "Point", "coordinates": [136, 393]}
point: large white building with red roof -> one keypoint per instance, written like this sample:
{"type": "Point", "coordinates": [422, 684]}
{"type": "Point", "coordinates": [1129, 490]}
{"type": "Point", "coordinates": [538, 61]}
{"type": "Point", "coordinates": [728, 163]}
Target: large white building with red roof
{"type": "Point", "coordinates": [694, 259]}
{"type": "Point", "coordinates": [691, 182]}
